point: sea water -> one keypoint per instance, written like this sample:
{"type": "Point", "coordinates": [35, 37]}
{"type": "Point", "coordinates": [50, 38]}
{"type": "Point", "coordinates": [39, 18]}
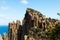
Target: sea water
{"type": "Point", "coordinates": [3, 29]}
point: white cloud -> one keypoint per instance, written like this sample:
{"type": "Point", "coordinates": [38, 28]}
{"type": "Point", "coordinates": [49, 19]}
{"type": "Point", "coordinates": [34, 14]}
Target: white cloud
{"type": "Point", "coordinates": [2, 16]}
{"type": "Point", "coordinates": [24, 1]}
{"type": "Point", "coordinates": [4, 8]}
{"type": "Point", "coordinates": [3, 19]}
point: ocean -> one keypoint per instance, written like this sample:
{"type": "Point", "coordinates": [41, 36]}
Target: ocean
{"type": "Point", "coordinates": [3, 29]}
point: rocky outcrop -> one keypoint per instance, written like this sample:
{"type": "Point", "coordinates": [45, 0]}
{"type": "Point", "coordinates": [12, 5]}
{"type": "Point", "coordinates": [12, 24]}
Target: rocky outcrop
{"type": "Point", "coordinates": [33, 19]}
{"type": "Point", "coordinates": [36, 19]}
{"type": "Point", "coordinates": [15, 31]}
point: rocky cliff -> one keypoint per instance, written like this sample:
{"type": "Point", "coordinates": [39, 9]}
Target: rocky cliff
{"type": "Point", "coordinates": [35, 21]}
{"type": "Point", "coordinates": [35, 26]}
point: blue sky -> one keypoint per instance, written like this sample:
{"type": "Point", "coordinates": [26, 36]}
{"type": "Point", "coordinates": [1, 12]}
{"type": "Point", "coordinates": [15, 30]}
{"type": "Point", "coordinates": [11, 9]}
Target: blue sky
{"type": "Point", "coordinates": [15, 9]}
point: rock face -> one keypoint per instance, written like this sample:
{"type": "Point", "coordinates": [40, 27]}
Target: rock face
{"type": "Point", "coordinates": [34, 19]}
{"type": "Point", "coordinates": [15, 31]}
{"type": "Point", "coordinates": [5, 36]}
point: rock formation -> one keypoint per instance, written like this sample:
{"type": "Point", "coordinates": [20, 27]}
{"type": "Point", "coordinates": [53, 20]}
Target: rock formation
{"type": "Point", "coordinates": [5, 36]}
{"type": "Point", "coordinates": [15, 31]}
{"type": "Point", "coordinates": [33, 19]}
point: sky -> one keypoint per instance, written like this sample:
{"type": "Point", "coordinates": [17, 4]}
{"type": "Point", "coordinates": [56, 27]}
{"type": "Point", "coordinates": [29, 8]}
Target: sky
{"type": "Point", "coordinates": [12, 10]}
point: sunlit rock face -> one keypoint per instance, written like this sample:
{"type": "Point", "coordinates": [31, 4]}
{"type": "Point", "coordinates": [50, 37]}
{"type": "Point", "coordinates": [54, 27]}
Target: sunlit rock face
{"type": "Point", "coordinates": [5, 36]}
{"type": "Point", "coordinates": [15, 31]}
{"type": "Point", "coordinates": [1, 37]}
{"type": "Point", "coordinates": [34, 19]}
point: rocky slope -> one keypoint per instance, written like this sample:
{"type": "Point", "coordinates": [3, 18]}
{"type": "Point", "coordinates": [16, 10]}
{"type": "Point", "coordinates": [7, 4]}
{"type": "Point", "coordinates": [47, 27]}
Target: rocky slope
{"type": "Point", "coordinates": [36, 25]}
